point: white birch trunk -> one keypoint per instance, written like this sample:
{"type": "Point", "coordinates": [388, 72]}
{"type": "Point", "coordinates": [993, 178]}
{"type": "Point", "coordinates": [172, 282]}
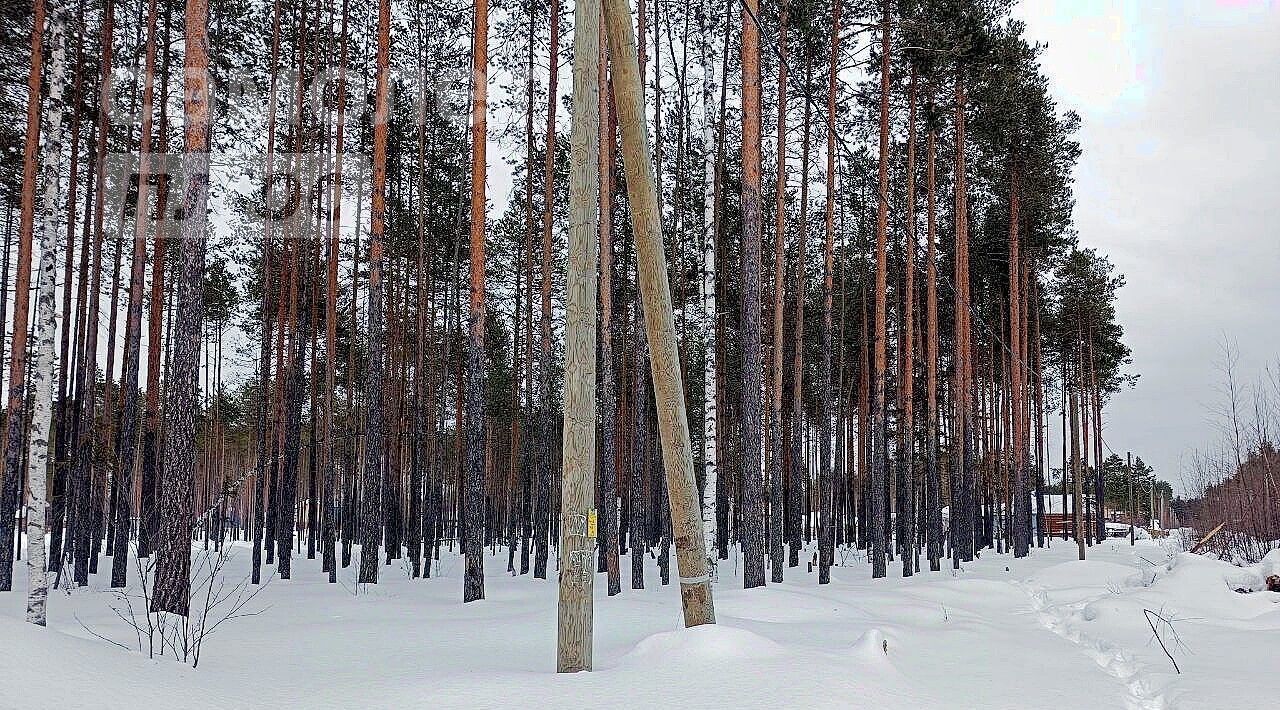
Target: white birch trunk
{"type": "Point", "coordinates": [42, 373]}
{"type": "Point", "coordinates": [709, 299]}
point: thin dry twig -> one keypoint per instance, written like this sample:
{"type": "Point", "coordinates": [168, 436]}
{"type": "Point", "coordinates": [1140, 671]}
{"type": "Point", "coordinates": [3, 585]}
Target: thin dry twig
{"type": "Point", "coordinates": [1148, 614]}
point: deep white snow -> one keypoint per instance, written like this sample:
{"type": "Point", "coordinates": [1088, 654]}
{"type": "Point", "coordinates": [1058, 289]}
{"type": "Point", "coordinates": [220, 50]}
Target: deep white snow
{"type": "Point", "coordinates": [1043, 632]}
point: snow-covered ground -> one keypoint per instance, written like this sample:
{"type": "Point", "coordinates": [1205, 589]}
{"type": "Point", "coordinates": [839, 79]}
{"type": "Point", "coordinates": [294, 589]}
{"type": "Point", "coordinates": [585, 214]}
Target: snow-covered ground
{"type": "Point", "coordinates": [1043, 632]}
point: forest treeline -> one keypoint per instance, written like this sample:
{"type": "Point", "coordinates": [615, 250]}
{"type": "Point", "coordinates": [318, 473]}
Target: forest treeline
{"type": "Point", "coordinates": [881, 303]}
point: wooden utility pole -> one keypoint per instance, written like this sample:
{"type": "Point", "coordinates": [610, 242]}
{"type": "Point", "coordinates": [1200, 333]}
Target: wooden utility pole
{"type": "Point", "coordinates": [673, 424]}
{"type": "Point", "coordinates": [577, 512]}
{"type": "Point", "coordinates": [1129, 469]}
{"type": "Point", "coordinates": [1076, 514]}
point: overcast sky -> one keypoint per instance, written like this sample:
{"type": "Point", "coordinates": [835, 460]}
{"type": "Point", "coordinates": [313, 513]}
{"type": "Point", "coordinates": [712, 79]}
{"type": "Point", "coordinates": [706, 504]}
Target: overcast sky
{"type": "Point", "coordinates": [1179, 184]}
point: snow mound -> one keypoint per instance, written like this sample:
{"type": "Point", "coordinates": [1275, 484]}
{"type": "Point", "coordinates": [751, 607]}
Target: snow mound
{"type": "Point", "coordinates": [707, 643]}
{"type": "Point", "coordinates": [104, 675]}
{"type": "Point", "coordinates": [1082, 573]}
{"type": "Point", "coordinates": [872, 647]}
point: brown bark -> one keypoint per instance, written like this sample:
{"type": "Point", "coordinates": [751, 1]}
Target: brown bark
{"type": "Point", "coordinates": [753, 521]}
{"type": "Point", "coordinates": [963, 477]}
{"type": "Point", "coordinates": [877, 510]}
{"type": "Point", "coordinates": [906, 496]}
{"type": "Point", "coordinates": [126, 444]}
{"type": "Point", "coordinates": [173, 558]}
{"type": "Point", "coordinates": [374, 427]}
{"type": "Point", "coordinates": [933, 484]}
{"type": "Point", "coordinates": [608, 389]}
{"type": "Point", "coordinates": [545, 424]}
{"type": "Point", "coordinates": [776, 509]}
{"type": "Point", "coordinates": [21, 300]}
{"type": "Point", "coordinates": [472, 493]}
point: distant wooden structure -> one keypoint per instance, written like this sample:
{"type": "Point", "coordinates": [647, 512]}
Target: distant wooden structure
{"type": "Point", "coordinates": [1058, 521]}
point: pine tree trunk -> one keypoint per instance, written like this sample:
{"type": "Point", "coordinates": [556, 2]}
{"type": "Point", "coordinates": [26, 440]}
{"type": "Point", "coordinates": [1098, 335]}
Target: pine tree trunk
{"type": "Point", "coordinates": [173, 552]}
{"type": "Point", "coordinates": [291, 371]}
{"type": "Point", "coordinates": [127, 441]}
{"type": "Point", "coordinates": [826, 507]}
{"type": "Point", "coordinates": [877, 510]}
{"type": "Point", "coordinates": [799, 474]}
{"type": "Point", "coordinates": [264, 442]}
{"type": "Point", "coordinates": [333, 485]}
{"type": "Point", "coordinates": [1076, 473]}
{"type": "Point", "coordinates": [723, 423]}
{"type": "Point", "coordinates": [637, 502]}
{"type": "Point", "coordinates": [473, 477]}
{"type": "Point", "coordinates": [609, 527]}
{"type": "Point", "coordinates": [151, 434]}
{"type": "Point", "coordinates": [1021, 507]}
{"type": "Point", "coordinates": [933, 483]}
{"type": "Point", "coordinates": [62, 413]}
{"type": "Point", "coordinates": [12, 472]}
{"type": "Point", "coordinates": [963, 438]}
{"type": "Point", "coordinates": [777, 511]}
{"type": "Point", "coordinates": [84, 474]}
{"type": "Point", "coordinates": [906, 496]}
{"type": "Point", "coordinates": [544, 423]}
{"type": "Point", "coordinates": [1041, 532]}
{"type": "Point", "coordinates": [372, 483]}
{"type": "Point", "coordinates": [1095, 401]}
{"type": "Point", "coordinates": [752, 533]}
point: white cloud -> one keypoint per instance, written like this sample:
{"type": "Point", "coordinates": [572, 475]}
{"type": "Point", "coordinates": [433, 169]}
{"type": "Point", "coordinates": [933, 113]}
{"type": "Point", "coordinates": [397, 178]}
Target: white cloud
{"type": "Point", "coordinates": [1178, 184]}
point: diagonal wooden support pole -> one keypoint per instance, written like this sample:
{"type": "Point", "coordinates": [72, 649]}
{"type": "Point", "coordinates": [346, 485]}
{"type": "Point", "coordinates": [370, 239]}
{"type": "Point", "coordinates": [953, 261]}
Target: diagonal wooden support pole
{"type": "Point", "coordinates": [673, 423]}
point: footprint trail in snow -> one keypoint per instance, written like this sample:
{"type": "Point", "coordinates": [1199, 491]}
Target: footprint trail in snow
{"type": "Point", "coordinates": [1066, 619]}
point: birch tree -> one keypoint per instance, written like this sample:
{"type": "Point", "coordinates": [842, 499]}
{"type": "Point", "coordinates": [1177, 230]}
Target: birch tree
{"type": "Point", "coordinates": [708, 286]}
{"type": "Point", "coordinates": [42, 377]}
